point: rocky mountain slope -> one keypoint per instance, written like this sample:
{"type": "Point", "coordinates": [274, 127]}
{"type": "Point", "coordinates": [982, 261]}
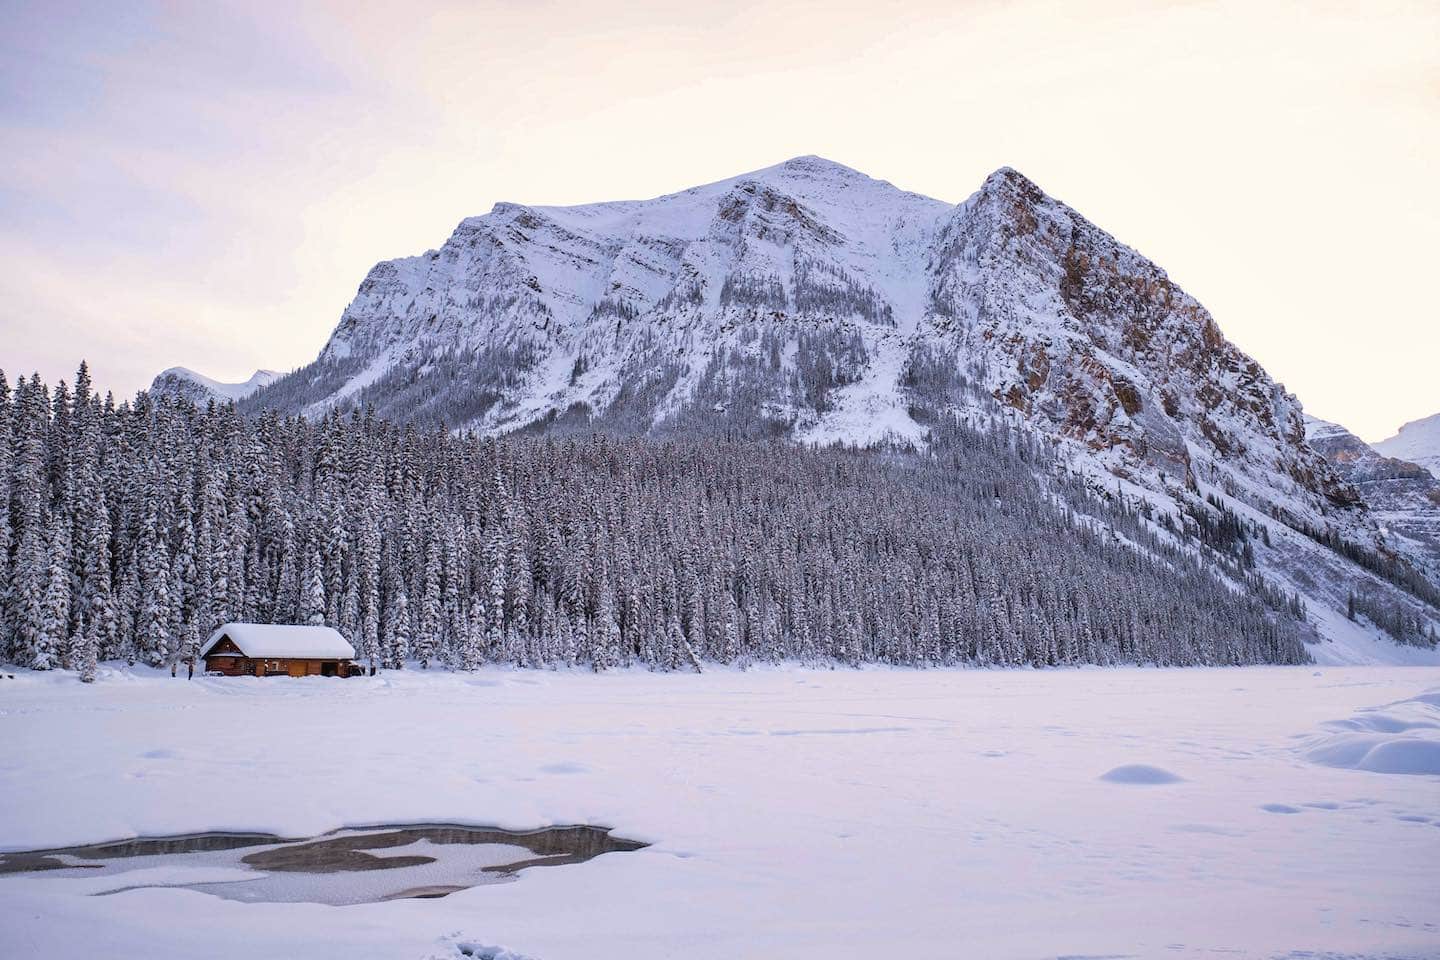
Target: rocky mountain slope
{"type": "Point", "coordinates": [810, 301]}
{"type": "Point", "coordinates": [200, 389]}
{"type": "Point", "coordinates": [1418, 442]}
{"type": "Point", "coordinates": [1403, 497]}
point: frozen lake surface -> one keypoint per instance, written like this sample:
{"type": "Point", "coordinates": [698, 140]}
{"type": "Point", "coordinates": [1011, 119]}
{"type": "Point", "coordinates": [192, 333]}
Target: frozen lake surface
{"type": "Point", "coordinates": [1258, 812]}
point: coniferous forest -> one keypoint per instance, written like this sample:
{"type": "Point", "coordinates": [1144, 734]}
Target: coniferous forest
{"type": "Point", "coordinates": [129, 531]}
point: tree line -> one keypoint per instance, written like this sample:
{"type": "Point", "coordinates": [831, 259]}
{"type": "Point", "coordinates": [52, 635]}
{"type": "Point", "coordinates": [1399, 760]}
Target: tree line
{"type": "Point", "coordinates": [129, 531]}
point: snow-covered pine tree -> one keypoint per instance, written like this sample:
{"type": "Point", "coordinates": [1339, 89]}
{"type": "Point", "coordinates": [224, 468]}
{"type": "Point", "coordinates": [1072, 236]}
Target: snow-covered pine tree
{"type": "Point", "coordinates": [128, 610]}
{"type": "Point", "coordinates": [349, 615]}
{"type": "Point", "coordinates": [187, 591]}
{"type": "Point", "coordinates": [495, 593]}
{"type": "Point", "coordinates": [7, 626]}
{"type": "Point", "coordinates": [398, 630]}
{"type": "Point", "coordinates": [312, 609]}
{"type": "Point", "coordinates": [368, 573]}
{"type": "Point", "coordinates": [53, 649]}
{"type": "Point", "coordinates": [288, 587]}
{"type": "Point", "coordinates": [606, 635]}
{"type": "Point", "coordinates": [154, 623]}
{"type": "Point", "coordinates": [427, 637]}
{"type": "Point", "coordinates": [214, 544]}
{"type": "Point", "coordinates": [86, 650]}
{"type": "Point", "coordinates": [472, 649]}
{"type": "Point", "coordinates": [30, 496]}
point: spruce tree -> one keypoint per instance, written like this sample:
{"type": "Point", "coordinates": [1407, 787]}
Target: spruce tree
{"type": "Point", "coordinates": [397, 636]}
{"type": "Point", "coordinates": [313, 593]}
{"type": "Point", "coordinates": [53, 649]}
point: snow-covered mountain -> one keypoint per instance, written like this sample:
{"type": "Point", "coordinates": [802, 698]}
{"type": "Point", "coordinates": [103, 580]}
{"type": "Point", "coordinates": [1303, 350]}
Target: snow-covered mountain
{"type": "Point", "coordinates": [810, 301]}
{"type": "Point", "coordinates": [1418, 442]}
{"type": "Point", "coordinates": [183, 382]}
{"type": "Point", "coordinates": [1403, 497]}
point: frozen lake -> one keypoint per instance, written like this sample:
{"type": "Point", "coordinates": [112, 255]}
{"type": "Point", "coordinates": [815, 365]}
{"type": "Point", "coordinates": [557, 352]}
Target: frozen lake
{"type": "Point", "coordinates": [1258, 812]}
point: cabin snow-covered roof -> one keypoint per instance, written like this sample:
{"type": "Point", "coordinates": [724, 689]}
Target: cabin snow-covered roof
{"type": "Point", "coordinates": [261, 640]}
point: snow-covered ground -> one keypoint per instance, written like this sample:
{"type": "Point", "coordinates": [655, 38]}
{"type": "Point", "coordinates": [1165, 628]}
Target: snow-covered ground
{"type": "Point", "coordinates": [793, 813]}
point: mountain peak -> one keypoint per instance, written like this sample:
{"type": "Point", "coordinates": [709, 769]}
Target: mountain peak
{"type": "Point", "coordinates": [811, 172]}
{"type": "Point", "coordinates": [810, 163]}
{"type": "Point", "coordinates": [184, 382]}
{"type": "Point", "coordinates": [1008, 181]}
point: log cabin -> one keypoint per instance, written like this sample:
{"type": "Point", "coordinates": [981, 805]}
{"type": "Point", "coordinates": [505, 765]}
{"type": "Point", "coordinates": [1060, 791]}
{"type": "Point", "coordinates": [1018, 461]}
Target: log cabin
{"type": "Point", "coordinates": [278, 650]}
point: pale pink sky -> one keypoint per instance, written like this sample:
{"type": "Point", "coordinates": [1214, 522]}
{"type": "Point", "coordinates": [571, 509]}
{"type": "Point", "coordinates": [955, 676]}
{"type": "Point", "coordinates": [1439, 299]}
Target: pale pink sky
{"type": "Point", "coordinates": [206, 184]}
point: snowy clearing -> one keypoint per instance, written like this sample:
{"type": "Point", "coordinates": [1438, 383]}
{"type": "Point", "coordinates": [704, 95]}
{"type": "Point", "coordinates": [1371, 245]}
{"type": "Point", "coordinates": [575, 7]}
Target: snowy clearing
{"type": "Point", "coordinates": [1251, 812]}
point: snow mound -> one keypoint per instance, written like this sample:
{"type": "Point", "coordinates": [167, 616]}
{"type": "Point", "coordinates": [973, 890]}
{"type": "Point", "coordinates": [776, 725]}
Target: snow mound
{"type": "Point", "coordinates": [1400, 738]}
{"type": "Point", "coordinates": [1140, 773]}
{"type": "Point", "coordinates": [1380, 754]}
{"type": "Point", "coordinates": [1383, 723]}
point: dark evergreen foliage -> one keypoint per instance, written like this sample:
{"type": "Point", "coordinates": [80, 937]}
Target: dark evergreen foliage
{"type": "Point", "coordinates": [131, 531]}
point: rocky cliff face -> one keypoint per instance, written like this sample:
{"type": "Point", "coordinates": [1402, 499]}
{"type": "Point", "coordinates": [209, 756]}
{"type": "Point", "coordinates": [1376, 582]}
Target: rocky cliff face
{"type": "Point", "coordinates": [1093, 341]}
{"type": "Point", "coordinates": [1403, 497]}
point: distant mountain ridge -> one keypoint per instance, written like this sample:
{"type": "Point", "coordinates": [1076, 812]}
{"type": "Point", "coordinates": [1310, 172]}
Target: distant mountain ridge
{"type": "Point", "coordinates": [1418, 442]}
{"type": "Point", "coordinates": [184, 382]}
{"type": "Point", "coordinates": [1404, 497]}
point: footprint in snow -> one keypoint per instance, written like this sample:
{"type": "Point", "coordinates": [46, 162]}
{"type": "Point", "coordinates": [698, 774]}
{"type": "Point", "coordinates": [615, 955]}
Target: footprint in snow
{"type": "Point", "coordinates": [565, 767]}
{"type": "Point", "coordinates": [1279, 808]}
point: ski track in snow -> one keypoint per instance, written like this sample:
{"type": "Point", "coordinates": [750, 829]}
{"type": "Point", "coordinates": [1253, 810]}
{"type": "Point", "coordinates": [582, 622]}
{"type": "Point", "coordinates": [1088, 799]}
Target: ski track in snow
{"type": "Point", "coordinates": [793, 813]}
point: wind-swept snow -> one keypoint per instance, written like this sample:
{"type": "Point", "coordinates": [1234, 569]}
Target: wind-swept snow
{"type": "Point", "coordinates": [793, 813]}
{"type": "Point", "coordinates": [1401, 737]}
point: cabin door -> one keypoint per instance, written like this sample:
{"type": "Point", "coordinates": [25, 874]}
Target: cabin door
{"type": "Point", "coordinates": [297, 668]}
